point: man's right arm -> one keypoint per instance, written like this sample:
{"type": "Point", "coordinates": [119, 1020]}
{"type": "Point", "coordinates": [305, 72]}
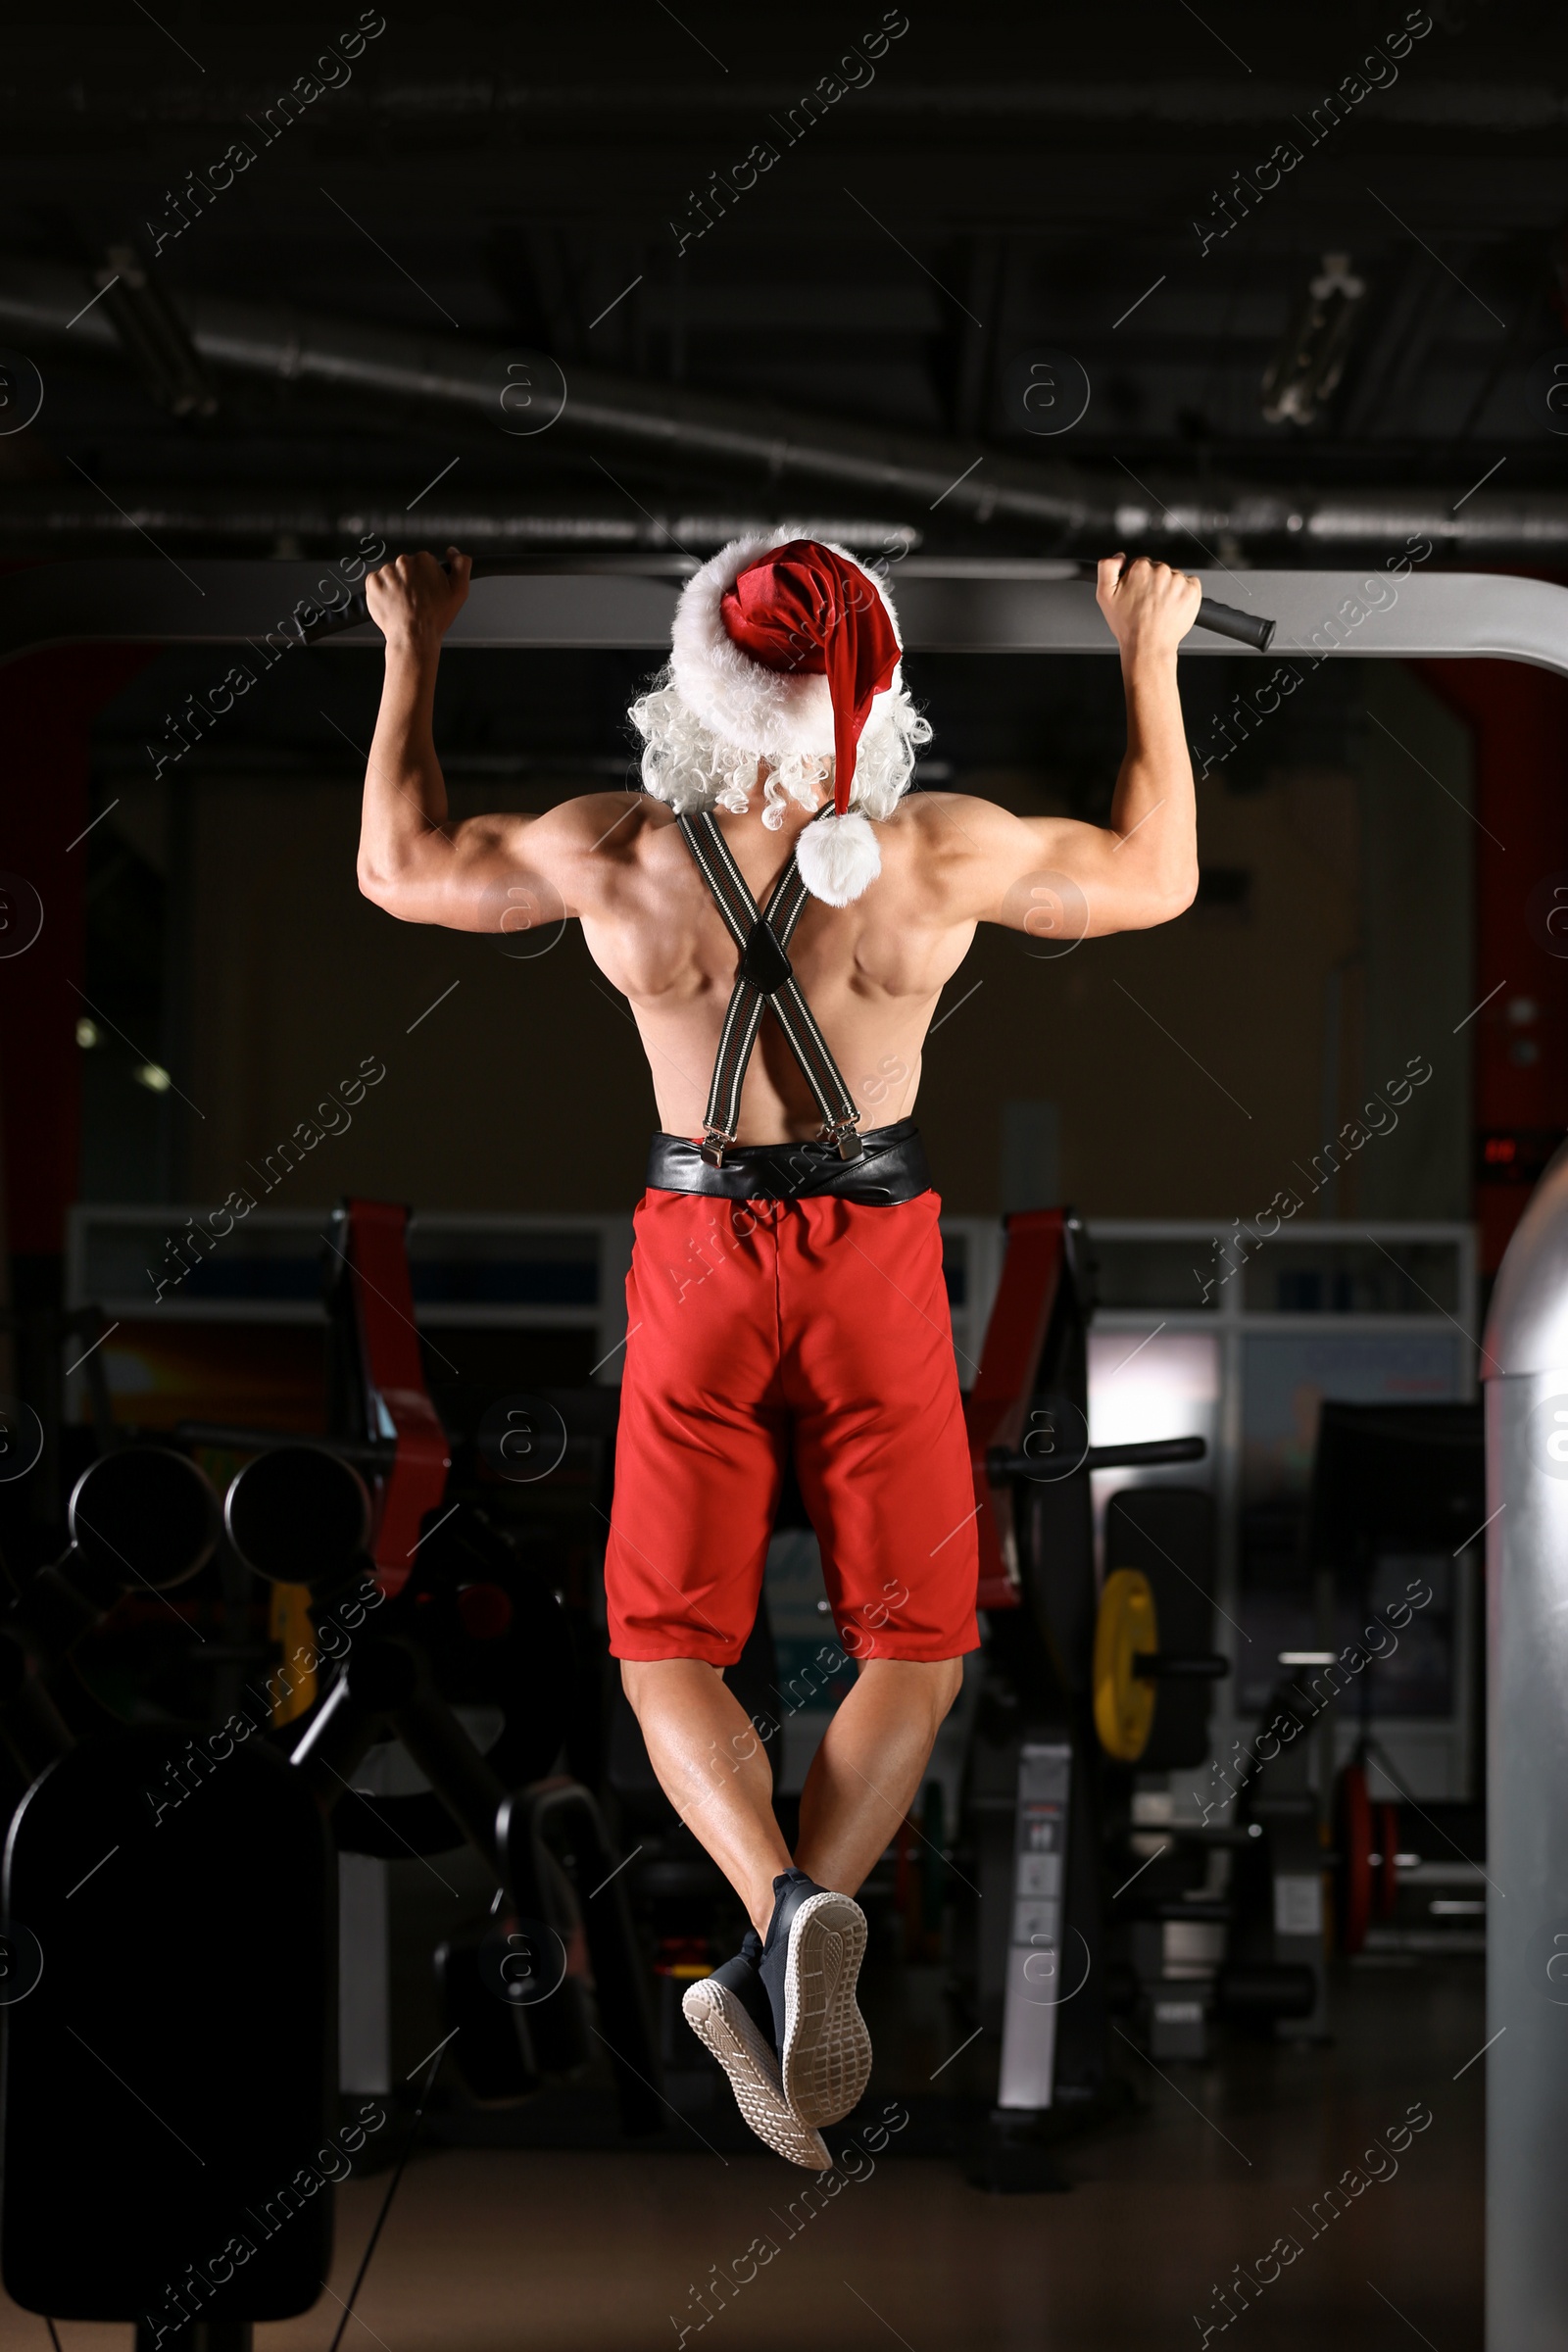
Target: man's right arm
{"type": "Point", "coordinates": [505, 872]}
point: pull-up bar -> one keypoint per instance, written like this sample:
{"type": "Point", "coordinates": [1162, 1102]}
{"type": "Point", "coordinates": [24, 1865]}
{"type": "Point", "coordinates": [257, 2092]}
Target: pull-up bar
{"type": "Point", "coordinates": [971, 606]}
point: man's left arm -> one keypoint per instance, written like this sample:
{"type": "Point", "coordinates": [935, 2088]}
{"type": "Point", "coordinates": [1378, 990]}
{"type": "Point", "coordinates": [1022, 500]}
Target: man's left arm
{"type": "Point", "coordinates": [1142, 868]}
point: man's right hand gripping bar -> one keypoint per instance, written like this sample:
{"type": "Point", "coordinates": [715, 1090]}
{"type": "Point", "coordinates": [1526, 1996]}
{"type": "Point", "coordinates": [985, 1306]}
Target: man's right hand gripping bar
{"type": "Point", "coordinates": [1223, 619]}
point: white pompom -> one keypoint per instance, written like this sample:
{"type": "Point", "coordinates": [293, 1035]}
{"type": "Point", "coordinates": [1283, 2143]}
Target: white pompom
{"type": "Point", "coordinates": [838, 858]}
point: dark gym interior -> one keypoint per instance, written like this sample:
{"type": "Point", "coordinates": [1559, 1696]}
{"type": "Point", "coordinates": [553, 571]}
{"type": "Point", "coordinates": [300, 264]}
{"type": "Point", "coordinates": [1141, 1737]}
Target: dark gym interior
{"type": "Point", "coordinates": [339, 1892]}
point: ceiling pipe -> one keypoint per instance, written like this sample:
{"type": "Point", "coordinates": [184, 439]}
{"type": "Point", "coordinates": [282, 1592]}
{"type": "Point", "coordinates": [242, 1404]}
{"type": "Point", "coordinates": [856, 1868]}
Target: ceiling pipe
{"type": "Point", "coordinates": [67, 519]}
{"type": "Point", "coordinates": [484, 103]}
{"type": "Point", "coordinates": [381, 368]}
{"type": "Point", "coordinates": [505, 386]}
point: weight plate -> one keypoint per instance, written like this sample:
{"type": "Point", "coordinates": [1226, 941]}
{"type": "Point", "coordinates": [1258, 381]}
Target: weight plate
{"type": "Point", "coordinates": [298, 1516]}
{"type": "Point", "coordinates": [145, 1515]}
{"type": "Point", "coordinates": [1125, 1628]}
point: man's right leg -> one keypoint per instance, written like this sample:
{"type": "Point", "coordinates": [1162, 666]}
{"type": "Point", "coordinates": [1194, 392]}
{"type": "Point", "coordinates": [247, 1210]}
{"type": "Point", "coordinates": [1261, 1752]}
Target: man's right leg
{"type": "Point", "coordinates": [867, 1773]}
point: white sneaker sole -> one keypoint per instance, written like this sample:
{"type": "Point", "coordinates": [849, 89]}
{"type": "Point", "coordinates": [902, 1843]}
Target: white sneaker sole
{"type": "Point", "coordinates": [827, 2051]}
{"type": "Point", "coordinates": [721, 2025]}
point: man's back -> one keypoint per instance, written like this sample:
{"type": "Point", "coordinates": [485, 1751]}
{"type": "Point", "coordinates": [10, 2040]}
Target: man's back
{"type": "Point", "coordinates": [871, 971]}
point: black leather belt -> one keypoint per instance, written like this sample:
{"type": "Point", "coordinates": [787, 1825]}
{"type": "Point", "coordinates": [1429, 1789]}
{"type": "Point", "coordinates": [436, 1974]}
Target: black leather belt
{"type": "Point", "coordinates": [892, 1168]}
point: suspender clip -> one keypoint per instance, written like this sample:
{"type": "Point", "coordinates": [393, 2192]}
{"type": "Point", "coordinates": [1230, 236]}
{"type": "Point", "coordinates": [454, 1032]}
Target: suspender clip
{"type": "Point", "coordinates": [847, 1141]}
{"type": "Point", "coordinates": [715, 1143]}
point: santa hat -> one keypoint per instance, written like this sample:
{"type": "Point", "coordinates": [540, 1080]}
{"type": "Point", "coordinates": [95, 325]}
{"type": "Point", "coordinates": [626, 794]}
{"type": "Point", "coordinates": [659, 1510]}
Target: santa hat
{"type": "Point", "coordinates": [789, 646]}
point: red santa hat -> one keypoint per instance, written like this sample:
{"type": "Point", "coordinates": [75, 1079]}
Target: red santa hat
{"type": "Point", "coordinates": [790, 646]}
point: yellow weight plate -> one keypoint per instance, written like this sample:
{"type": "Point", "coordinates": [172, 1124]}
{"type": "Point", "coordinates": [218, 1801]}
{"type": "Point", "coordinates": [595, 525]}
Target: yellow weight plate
{"type": "Point", "coordinates": [1124, 1704]}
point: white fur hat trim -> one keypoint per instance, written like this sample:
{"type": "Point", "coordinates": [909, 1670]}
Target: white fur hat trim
{"type": "Point", "coordinates": [769, 711]}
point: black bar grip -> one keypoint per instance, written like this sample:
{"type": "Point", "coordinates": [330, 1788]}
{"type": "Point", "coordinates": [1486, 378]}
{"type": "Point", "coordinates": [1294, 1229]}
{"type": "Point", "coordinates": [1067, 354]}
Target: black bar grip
{"type": "Point", "coordinates": [1247, 628]}
{"type": "Point", "coordinates": [1001, 1465]}
{"type": "Point", "coordinates": [1153, 1450]}
{"type": "Point", "coordinates": [1221, 621]}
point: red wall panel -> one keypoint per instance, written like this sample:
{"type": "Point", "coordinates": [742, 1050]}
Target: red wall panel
{"type": "Point", "coordinates": [1519, 718]}
{"type": "Point", "coordinates": [48, 702]}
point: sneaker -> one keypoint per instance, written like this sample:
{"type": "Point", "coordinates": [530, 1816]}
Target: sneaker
{"type": "Point", "coordinates": [810, 1967]}
{"type": "Point", "coordinates": [730, 2015]}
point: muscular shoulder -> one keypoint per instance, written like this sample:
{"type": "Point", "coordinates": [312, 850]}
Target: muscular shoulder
{"type": "Point", "coordinates": [592, 843]}
{"type": "Point", "coordinates": [952, 821]}
{"type": "Point", "coordinates": [609, 824]}
{"type": "Point", "coordinates": [950, 845]}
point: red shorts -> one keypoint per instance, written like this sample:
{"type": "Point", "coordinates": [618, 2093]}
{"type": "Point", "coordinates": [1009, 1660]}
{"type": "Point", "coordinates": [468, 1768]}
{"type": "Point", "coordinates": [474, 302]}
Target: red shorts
{"type": "Point", "coordinates": [815, 1324]}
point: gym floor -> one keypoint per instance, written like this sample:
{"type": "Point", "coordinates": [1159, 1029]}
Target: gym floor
{"type": "Point", "coordinates": [601, 2252]}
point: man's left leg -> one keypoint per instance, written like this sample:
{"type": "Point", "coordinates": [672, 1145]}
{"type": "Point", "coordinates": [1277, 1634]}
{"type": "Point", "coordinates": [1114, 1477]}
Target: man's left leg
{"type": "Point", "coordinates": [710, 1760]}
{"type": "Point", "coordinates": [699, 1457]}
{"type": "Point", "coordinates": [712, 1766]}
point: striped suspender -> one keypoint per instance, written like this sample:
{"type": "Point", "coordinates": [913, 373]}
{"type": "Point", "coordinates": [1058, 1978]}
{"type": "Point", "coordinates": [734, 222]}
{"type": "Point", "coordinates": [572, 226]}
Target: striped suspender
{"type": "Point", "coordinates": [763, 978]}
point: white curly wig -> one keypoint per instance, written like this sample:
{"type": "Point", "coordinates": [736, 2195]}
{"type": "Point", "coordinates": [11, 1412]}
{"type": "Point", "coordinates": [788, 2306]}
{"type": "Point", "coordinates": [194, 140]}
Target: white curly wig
{"type": "Point", "coordinates": [713, 713]}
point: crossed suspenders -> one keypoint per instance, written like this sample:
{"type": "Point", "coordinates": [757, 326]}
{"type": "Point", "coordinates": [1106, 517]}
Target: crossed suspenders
{"type": "Point", "coordinates": [764, 977]}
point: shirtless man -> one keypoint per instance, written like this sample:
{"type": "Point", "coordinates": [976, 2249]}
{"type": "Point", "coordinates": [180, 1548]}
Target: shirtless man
{"type": "Point", "coordinates": [777, 914]}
